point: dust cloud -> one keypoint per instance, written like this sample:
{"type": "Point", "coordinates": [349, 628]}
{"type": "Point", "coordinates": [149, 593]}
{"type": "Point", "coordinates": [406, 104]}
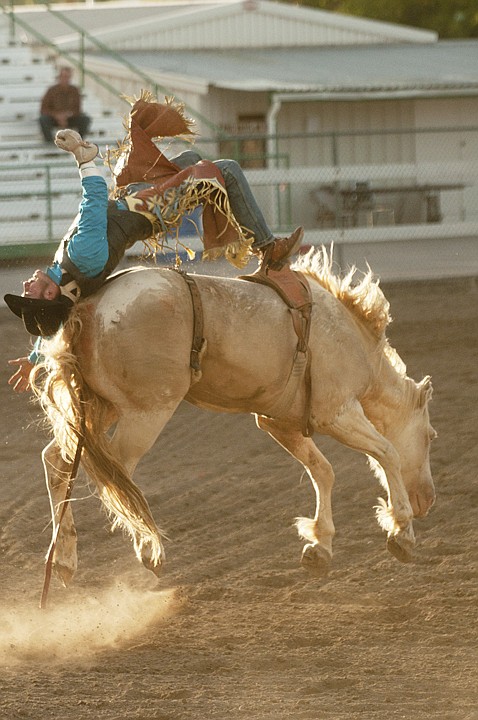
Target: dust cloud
{"type": "Point", "coordinates": [80, 627]}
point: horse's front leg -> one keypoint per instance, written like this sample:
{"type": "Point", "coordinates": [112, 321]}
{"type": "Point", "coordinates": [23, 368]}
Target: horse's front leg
{"type": "Point", "coordinates": [57, 475]}
{"type": "Point", "coordinates": [319, 531]}
{"type": "Point", "coordinates": [353, 429]}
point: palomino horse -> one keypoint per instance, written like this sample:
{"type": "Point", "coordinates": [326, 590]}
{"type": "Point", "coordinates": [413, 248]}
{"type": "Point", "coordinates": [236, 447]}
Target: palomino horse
{"type": "Point", "coordinates": [122, 361]}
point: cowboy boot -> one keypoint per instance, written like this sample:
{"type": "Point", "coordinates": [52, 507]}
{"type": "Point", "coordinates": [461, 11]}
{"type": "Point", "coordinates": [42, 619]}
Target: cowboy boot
{"type": "Point", "coordinates": [284, 248]}
{"type": "Point", "coordinates": [71, 141]}
{"type": "Point", "coordinates": [275, 255]}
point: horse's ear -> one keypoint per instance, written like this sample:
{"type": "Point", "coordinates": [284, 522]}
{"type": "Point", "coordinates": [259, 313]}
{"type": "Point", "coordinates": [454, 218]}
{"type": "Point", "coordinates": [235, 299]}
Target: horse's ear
{"type": "Point", "coordinates": [425, 389]}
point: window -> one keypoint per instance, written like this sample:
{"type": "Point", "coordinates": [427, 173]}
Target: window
{"type": "Point", "coordinates": [250, 152]}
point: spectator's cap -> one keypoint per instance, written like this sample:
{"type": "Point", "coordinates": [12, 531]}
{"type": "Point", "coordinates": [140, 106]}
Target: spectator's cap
{"type": "Point", "coordinates": [40, 317]}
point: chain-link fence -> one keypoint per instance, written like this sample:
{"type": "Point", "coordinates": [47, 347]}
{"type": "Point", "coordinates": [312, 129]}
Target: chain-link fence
{"type": "Point", "coordinates": [404, 194]}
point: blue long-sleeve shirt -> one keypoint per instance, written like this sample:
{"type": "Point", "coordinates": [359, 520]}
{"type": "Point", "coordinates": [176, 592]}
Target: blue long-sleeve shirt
{"type": "Point", "coordinates": [88, 248]}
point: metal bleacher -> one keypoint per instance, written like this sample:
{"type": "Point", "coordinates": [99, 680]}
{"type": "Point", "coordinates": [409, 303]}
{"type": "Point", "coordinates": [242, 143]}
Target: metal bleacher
{"type": "Point", "coordinates": [39, 188]}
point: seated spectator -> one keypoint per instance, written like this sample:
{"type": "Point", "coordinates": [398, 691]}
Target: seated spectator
{"type": "Point", "coordinates": [61, 107]}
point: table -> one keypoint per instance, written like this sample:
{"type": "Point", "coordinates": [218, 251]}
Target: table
{"type": "Point", "coordinates": [360, 200]}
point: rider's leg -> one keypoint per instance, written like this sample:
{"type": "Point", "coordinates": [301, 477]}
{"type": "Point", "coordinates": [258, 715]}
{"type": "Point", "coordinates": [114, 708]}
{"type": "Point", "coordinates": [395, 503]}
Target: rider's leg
{"type": "Point", "coordinates": [243, 204]}
{"type": "Point", "coordinates": [186, 159]}
{"type": "Point", "coordinates": [249, 215]}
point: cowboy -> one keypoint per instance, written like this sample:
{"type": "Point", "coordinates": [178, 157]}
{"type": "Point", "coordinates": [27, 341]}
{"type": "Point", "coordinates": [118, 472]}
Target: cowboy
{"type": "Point", "coordinates": [90, 250]}
{"type": "Point", "coordinates": [95, 244]}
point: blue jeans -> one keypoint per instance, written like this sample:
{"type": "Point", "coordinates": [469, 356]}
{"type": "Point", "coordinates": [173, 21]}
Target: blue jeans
{"type": "Point", "coordinates": [242, 201]}
{"type": "Point", "coordinates": [80, 122]}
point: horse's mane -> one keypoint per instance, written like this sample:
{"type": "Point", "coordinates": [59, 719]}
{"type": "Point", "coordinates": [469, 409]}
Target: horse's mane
{"type": "Point", "coordinates": [365, 298]}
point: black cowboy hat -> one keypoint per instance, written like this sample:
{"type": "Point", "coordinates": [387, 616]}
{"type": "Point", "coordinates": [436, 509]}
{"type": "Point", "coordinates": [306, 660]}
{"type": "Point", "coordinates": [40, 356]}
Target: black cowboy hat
{"type": "Point", "coordinates": [40, 317]}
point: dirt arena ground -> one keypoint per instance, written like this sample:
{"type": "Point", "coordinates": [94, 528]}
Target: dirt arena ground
{"type": "Point", "coordinates": [235, 629]}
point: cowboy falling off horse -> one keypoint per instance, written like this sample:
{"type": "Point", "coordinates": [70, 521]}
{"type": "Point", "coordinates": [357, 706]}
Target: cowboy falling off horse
{"type": "Point", "coordinates": [150, 198]}
{"type": "Point", "coordinates": [301, 349]}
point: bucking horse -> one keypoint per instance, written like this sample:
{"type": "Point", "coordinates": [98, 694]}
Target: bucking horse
{"type": "Point", "coordinates": [125, 359]}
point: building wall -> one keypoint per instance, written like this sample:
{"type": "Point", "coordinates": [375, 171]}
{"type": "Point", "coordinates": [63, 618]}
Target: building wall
{"type": "Point", "coordinates": [225, 107]}
{"type": "Point", "coordinates": [458, 148]}
{"type": "Point", "coordinates": [354, 134]}
{"type": "Point", "coordinates": [360, 117]}
{"type": "Point", "coordinates": [343, 133]}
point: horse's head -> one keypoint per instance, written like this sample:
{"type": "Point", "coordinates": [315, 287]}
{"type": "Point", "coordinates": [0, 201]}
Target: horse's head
{"type": "Point", "coordinates": [412, 441]}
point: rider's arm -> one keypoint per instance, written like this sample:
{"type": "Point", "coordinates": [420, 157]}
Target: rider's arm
{"type": "Point", "coordinates": [20, 380]}
{"type": "Point", "coordinates": [35, 355]}
{"type": "Point", "coordinates": [88, 248]}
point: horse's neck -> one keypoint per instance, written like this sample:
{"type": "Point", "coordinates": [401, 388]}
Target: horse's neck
{"type": "Point", "coordinates": [389, 397]}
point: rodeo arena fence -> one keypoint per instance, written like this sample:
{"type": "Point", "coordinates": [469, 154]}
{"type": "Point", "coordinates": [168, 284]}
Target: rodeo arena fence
{"type": "Point", "coordinates": [406, 220]}
{"type": "Point", "coordinates": [404, 201]}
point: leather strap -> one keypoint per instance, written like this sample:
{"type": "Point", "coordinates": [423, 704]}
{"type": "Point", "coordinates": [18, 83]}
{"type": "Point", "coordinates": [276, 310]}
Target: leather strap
{"type": "Point", "coordinates": [293, 288]}
{"type": "Point", "coordinates": [198, 320]}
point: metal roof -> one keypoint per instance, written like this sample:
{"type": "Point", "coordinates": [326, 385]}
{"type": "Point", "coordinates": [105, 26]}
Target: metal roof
{"type": "Point", "coordinates": [408, 69]}
{"type": "Point", "coordinates": [92, 16]}
{"type": "Point", "coordinates": [213, 24]}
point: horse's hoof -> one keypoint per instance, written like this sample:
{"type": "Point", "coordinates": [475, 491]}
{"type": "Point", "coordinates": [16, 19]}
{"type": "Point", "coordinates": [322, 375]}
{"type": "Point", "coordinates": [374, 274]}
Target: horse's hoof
{"type": "Point", "coordinates": [64, 574]}
{"type": "Point", "coordinates": [155, 569]}
{"type": "Point", "coordinates": [400, 548]}
{"type": "Point", "coordinates": [316, 560]}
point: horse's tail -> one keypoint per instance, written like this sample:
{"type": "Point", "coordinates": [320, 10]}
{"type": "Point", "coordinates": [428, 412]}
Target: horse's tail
{"type": "Point", "coordinates": [73, 411]}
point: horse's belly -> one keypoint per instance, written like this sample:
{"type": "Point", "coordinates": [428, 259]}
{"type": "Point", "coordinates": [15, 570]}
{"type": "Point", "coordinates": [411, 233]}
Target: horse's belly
{"type": "Point", "coordinates": [251, 384]}
{"type": "Point", "coordinates": [246, 370]}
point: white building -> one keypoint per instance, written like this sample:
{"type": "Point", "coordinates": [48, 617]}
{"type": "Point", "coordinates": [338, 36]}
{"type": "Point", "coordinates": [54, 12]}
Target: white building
{"type": "Point", "coordinates": [363, 131]}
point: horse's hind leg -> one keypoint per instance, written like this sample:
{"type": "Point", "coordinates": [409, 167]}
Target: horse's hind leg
{"type": "Point", "coordinates": [57, 475]}
{"type": "Point", "coordinates": [353, 429]}
{"type": "Point", "coordinates": [319, 531]}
